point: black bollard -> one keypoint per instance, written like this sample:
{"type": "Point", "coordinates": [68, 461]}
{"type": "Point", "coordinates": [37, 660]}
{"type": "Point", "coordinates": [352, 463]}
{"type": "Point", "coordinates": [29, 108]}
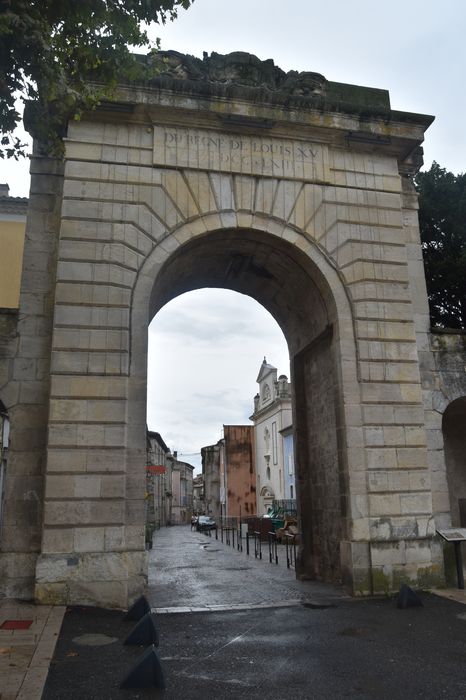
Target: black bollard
{"type": "Point", "coordinates": [138, 609]}
{"type": "Point", "coordinates": [146, 672]}
{"type": "Point", "coordinates": [407, 598]}
{"type": "Point", "coordinates": [144, 632]}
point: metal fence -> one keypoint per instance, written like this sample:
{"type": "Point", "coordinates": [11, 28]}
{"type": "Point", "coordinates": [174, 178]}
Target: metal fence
{"type": "Point", "coordinates": [250, 534]}
{"type": "Point", "coordinates": [285, 507]}
{"type": "Point", "coordinates": [290, 545]}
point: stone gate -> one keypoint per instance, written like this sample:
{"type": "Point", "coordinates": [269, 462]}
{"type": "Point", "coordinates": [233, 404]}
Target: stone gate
{"type": "Point", "coordinates": [225, 172]}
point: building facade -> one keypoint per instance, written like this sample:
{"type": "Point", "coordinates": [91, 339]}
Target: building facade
{"type": "Point", "coordinates": [158, 481]}
{"type": "Point", "coordinates": [229, 474]}
{"type": "Point", "coordinates": [198, 495]}
{"type": "Point", "coordinates": [181, 496]}
{"type": "Point", "coordinates": [288, 463]}
{"type": "Point", "coordinates": [214, 494]}
{"type": "Point", "coordinates": [239, 472]}
{"type": "Point", "coordinates": [13, 212]}
{"type": "Point", "coordinates": [272, 415]}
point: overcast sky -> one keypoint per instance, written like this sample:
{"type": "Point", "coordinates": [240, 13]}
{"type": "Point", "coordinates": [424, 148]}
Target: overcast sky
{"type": "Point", "coordinates": [206, 348]}
{"type": "Point", "coordinates": [205, 351]}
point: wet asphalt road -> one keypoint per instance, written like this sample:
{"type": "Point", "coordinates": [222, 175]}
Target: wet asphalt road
{"type": "Point", "coordinates": [361, 649]}
{"type": "Point", "coordinates": [190, 569]}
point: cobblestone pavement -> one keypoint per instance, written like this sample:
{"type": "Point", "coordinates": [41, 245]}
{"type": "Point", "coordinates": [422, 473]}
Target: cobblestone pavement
{"type": "Point", "coordinates": [190, 571]}
{"type": "Point", "coordinates": [25, 654]}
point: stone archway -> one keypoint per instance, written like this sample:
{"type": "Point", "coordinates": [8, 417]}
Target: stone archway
{"type": "Point", "coordinates": [297, 195]}
{"type": "Point", "coordinates": [267, 495]}
{"type": "Point", "coordinates": [454, 438]}
{"type": "Point", "coordinates": [299, 289]}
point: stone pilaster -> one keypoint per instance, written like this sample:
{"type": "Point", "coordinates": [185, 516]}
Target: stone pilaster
{"type": "Point", "coordinates": [26, 392]}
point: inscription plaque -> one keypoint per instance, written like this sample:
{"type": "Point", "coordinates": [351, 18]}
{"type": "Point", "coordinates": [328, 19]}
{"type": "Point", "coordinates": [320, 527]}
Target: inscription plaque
{"type": "Point", "coordinates": [248, 155]}
{"type": "Point", "coordinates": [457, 534]}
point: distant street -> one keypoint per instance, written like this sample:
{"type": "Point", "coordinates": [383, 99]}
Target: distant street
{"type": "Point", "coordinates": [190, 569]}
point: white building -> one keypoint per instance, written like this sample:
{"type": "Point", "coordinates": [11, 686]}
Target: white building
{"type": "Point", "coordinates": [272, 415]}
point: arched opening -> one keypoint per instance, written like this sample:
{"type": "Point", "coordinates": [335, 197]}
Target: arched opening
{"type": "Point", "coordinates": [204, 354]}
{"type": "Point", "coordinates": [266, 499]}
{"type": "Point", "coordinates": [454, 435]}
{"type": "Point", "coordinates": [288, 283]}
{"type": "Point", "coordinates": [205, 349]}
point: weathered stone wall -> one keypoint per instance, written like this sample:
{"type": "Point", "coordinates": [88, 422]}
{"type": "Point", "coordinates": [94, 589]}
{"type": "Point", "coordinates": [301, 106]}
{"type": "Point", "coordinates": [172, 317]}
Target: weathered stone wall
{"type": "Point", "coordinates": [212, 479]}
{"type": "Point", "coordinates": [444, 382]}
{"type": "Point", "coordinates": [443, 370]}
{"type": "Point", "coordinates": [240, 472]}
{"type": "Point", "coordinates": [25, 385]}
{"type": "Point", "coordinates": [8, 344]}
{"type": "Point", "coordinates": [402, 528]}
{"type": "Point", "coordinates": [318, 483]}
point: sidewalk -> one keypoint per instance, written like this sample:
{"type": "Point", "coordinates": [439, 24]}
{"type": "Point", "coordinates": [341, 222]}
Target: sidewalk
{"type": "Point", "coordinates": [25, 654]}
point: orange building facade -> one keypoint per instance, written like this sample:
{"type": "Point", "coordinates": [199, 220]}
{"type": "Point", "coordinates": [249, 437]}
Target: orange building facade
{"type": "Point", "coordinates": [240, 474]}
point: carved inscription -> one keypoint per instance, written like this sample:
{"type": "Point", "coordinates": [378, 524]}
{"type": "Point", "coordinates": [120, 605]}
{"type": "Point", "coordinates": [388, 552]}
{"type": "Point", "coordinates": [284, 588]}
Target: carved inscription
{"type": "Point", "coordinates": [248, 155]}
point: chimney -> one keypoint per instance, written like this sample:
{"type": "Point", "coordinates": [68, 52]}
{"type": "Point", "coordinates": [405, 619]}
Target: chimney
{"type": "Point", "coordinates": [4, 189]}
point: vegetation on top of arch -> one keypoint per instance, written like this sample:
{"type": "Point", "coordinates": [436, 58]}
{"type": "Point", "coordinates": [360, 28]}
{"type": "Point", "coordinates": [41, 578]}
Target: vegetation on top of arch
{"type": "Point", "coordinates": [51, 51]}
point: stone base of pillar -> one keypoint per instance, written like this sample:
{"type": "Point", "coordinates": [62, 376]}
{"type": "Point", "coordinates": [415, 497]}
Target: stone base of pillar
{"type": "Point", "coordinates": [106, 579]}
{"type": "Point", "coordinates": [379, 568]}
{"type": "Point", "coordinates": [355, 567]}
{"type": "Point", "coordinates": [17, 575]}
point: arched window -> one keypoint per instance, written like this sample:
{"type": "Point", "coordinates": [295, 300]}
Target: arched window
{"type": "Point", "coordinates": [454, 436]}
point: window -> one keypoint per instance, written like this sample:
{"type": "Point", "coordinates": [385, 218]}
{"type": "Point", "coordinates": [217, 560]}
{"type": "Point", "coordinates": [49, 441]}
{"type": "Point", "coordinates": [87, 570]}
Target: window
{"type": "Point", "coordinates": [265, 393]}
{"type": "Point", "coordinates": [268, 473]}
{"type": "Point", "coordinates": [291, 491]}
{"type": "Point", "coordinates": [274, 443]}
{"type": "Point", "coordinates": [290, 465]}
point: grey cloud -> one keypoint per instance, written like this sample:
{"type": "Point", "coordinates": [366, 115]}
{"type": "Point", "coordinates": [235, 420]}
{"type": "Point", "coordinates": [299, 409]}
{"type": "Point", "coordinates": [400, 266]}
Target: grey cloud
{"type": "Point", "coordinates": [207, 315]}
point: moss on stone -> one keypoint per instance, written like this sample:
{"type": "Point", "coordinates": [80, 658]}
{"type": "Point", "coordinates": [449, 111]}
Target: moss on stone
{"type": "Point", "coordinates": [362, 585]}
{"type": "Point", "coordinates": [357, 95]}
{"type": "Point", "coordinates": [381, 583]}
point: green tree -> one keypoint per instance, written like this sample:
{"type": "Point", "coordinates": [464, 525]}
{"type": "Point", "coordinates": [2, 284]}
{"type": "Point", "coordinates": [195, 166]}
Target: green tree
{"type": "Point", "coordinates": [442, 218]}
{"type": "Point", "coordinates": [66, 55]}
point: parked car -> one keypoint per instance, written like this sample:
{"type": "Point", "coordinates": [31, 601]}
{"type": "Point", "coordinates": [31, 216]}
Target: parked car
{"type": "Point", "coordinates": [205, 522]}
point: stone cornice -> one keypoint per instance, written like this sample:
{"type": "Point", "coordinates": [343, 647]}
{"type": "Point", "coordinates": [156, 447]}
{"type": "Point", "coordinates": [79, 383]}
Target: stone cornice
{"type": "Point", "coordinates": [270, 408]}
{"type": "Point", "coordinates": [16, 206]}
{"type": "Point", "coordinates": [344, 125]}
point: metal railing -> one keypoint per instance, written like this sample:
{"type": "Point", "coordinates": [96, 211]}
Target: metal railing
{"type": "Point", "coordinates": [257, 545]}
{"type": "Point", "coordinates": [273, 549]}
{"type": "Point", "coordinates": [290, 543]}
{"type": "Point", "coordinates": [282, 547]}
{"type": "Point", "coordinates": [285, 507]}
